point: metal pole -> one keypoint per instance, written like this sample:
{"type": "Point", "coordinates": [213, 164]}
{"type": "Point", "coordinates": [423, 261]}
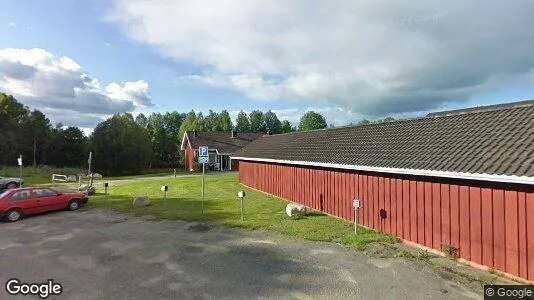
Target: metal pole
{"type": "Point", "coordinates": [89, 170]}
{"type": "Point", "coordinates": [241, 198]}
{"type": "Point", "coordinates": [356, 216]}
{"type": "Point", "coordinates": [20, 166]}
{"type": "Point", "coordinates": [106, 192]}
{"type": "Point", "coordinates": [164, 198]}
{"type": "Point", "coordinates": [174, 173]}
{"type": "Point", "coordinates": [203, 168]}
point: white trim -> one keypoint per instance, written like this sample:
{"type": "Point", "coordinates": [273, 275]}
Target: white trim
{"type": "Point", "coordinates": [419, 172]}
{"type": "Point", "coordinates": [183, 139]}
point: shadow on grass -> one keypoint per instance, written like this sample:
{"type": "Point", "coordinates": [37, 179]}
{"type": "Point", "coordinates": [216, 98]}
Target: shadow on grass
{"type": "Point", "coordinates": [314, 214]}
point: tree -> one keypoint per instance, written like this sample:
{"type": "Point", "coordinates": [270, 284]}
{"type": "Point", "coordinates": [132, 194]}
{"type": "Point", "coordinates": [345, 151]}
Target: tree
{"type": "Point", "coordinates": [365, 121]}
{"type": "Point", "coordinates": [141, 120]}
{"type": "Point", "coordinates": [212, 121]}
{"type": "Point", "coordinates": [66, 147]}
{"type": "Point", "coordinates": [272, 124]}
{"type": "Point", "coordinates": [38, 128]}
{"type": "Point", "coordinates": [120, 146]}
{"type": "Point", "coordinates": [311, 121]}
{"type": "Point", "coordinates": [286, 127]}
{"type": "Point", "coordinates": [189, 123]}
{"type": "Point", "coordinates": [13, 118]}
{"type": "Point", "coordinates": [257, 123]}
{"type": "Point", "coordinates": [225, 122]}
{"type": "Point", "coordinates": [200, 125]}
{"type": "Point", "coordinates": [172, 123]}
{"type": "Point", "coordinates": [242, 124]}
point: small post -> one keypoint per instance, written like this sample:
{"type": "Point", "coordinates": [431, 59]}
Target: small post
{"type": "Point", "coordinates": [174, 173]}
{"type": "Point", "coordinates": [164, 189]}
{"type": "Point", "coordinates": [356, 205]}
{"type": "Point", "coordinates": [106, 189]}
{"type": "Point", "coordinates": [79, 180]}
{"type": "Point", "coordinates": [241, 195]}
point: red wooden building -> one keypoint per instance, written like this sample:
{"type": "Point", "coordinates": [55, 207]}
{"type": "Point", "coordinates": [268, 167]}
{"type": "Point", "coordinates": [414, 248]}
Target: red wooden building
{"type": "Point", "coordinates": [460, 179]}
{"type": "Point", "coordinates": [221, 144]}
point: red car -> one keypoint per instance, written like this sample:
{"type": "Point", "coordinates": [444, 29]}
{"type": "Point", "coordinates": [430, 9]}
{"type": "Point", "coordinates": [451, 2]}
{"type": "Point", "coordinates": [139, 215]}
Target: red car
{"type": "Point", "coordinates": [19, 202]}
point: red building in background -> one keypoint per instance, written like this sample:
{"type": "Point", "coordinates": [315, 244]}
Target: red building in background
{"type": "Point", "coordinates": [460, 180]}
{"type": "Point", "coordinates": [221, 144]}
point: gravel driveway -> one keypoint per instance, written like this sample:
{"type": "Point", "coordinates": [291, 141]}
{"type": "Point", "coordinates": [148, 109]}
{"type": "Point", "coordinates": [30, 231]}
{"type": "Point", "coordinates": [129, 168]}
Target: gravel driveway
{"type": "Point", "coordinates": [98, 254]}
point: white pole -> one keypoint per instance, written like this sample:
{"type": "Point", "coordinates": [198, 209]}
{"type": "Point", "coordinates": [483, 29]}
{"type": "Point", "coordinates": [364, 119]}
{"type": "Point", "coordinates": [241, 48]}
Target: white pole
{"type": "Point", "coordinates": [356, 216]}
{"type": "Point", "coordinates": [203, 168]}
{"type": "Point", "coordinates": [89, 170]}
{"type": "Point", "coordinates": [20, 165]}
{"type": "Point", "coordinates": [241, 198]}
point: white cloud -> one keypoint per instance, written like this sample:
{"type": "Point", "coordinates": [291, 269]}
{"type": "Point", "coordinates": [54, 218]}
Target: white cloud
{"type": "Point", "coordinates": [59, 87]}
{"type": "Point", "coordinates": [134, 91]}
{"type": "Point", "coordinates": [373, 57]}
{"type": "Point", "coordinates": [11, 24]}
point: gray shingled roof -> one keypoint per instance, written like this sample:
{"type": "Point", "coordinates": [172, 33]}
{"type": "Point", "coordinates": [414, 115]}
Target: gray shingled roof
{"type": "Point", "coordinates": [221, 140]}
{"type": "Point", "coordinates": [496, 141]}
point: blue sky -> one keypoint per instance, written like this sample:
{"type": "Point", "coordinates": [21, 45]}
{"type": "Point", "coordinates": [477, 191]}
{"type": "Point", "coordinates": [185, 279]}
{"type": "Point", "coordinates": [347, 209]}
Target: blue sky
{"type": "Point", "coordinates": [362, 60]}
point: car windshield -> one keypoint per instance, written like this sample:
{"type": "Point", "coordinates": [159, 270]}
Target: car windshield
{"type": "Point", "coordinates": [3, 193]}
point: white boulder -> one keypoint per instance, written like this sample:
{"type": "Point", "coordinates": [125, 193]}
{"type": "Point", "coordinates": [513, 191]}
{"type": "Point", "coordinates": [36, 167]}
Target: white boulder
{"type": "Point", "coordinates": [140, 201]}
{"type": "Point", "coordinates": [295, 210]}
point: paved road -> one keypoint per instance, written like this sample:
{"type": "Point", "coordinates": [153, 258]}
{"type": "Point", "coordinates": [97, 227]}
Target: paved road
{"type": "Point", "coordinates": [98, 254]}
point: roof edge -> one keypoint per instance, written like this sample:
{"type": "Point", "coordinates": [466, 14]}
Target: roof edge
{"type": "Point", "coordinates": [418, 172]}
{"type": "Point", "coordinates": [183, 140]}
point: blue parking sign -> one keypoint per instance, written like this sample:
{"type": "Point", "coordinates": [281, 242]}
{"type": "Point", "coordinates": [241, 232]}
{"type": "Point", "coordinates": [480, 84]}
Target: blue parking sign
{"type": "Point", "coordinates": [203, 151]}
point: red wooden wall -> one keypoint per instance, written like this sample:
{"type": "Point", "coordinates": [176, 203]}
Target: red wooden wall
{"type": "Point", "coordinates": [488, 224]}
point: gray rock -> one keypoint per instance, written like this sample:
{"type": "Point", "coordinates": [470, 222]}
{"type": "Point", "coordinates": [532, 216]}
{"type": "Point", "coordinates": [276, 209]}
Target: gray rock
{"type": "Point", "coordinates": [89, 190]}
{"type": "Point", "coordinates": [97, 176]}
{"type": "Point", "coordinates": [72, 178]}
{"type": "Point", "coordinates": [140, 201]}
{"type": "Point", "coordinates": [295, 210]}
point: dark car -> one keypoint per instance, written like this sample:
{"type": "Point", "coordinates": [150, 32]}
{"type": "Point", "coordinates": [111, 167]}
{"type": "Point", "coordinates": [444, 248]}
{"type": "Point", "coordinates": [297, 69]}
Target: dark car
{"type": "Point", "coordinates": [10, 182]}
{"type": "Point", "coordinates": [19, 202]}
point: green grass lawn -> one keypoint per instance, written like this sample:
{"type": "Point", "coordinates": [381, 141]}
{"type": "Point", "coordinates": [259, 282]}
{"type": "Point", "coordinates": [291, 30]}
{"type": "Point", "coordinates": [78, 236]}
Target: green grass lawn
{"type": "Point", "coordinates": [222, 206]}
{"type": "Point", "coordinates": [39, 175]}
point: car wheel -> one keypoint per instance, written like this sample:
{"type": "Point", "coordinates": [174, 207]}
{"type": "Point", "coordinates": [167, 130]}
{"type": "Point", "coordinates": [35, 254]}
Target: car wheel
{"type": "Point", "coordinates": [13, 215]}
{"type": "Point", "coordinates": [74, 205]}
{"type": "Point", "coordinates": [12, 185]}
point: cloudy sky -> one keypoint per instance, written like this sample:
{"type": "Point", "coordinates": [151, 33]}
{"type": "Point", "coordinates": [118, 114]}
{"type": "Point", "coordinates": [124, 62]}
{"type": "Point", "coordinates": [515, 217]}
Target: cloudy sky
{"type": "Point", "coordinates": [82, 60]}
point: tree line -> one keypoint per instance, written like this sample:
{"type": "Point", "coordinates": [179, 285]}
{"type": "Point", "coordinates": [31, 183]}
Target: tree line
{"type": "Point", "coordinates": [29, 132]}
{"type": "Point", "coordinates": [123, 144]}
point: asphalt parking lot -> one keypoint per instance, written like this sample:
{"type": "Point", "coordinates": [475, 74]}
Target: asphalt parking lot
{"type": "Point", "coordinates": [98, 254]}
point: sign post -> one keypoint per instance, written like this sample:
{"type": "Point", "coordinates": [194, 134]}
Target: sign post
{"type": "Point", "coordinates": [164, 189]}
{"type": "Point", "coordinates": [106, 189]}
{"type": "Point", "coordinates": [19, 161]}
{"type": "Point", "coordinates": [203, 158]}
{"type": "Point", "coordinates": [89, 161]}
{"type": "Point", "coordinates": [241, 195]}
{"type": "Point", "coordinates": [356, 205]}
